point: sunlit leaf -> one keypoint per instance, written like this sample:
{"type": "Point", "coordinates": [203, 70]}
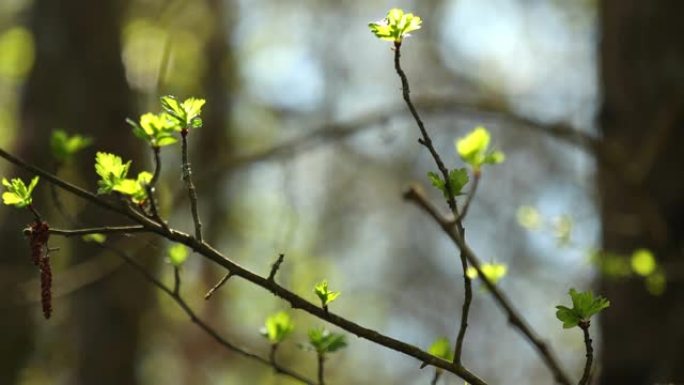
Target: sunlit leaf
{"type": "Point", "coordinates": [17, 194]}
{"type": "Point", "coordinates": [277, 327]}
{"type": "Point", "coordinates": [395, 26]}
{"type": "Point", "coordinates": [441, 348]}
{"type": "Point", "coordinates": [324, 294]}
{"type": "Point", "coordinates": [111, 170]}
{"type": "Point", "coordinates": [643, 262]}
{"type": "Point", "coordinates": [178, 254]}
{"type": "Point", "coordinates": [94, 237]}
{"type": "Point", "coordinates": [474, 149]}
{"type": "Point", "coordinates": [529, 217]}
{"type": "Point", "coordinates": [493, 271]}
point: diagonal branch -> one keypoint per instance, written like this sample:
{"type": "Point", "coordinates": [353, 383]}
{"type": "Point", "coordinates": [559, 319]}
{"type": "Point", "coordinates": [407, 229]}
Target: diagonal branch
{"type": "Point", "coordinates": [415, 195]}
{"type": "Point", "coordinates": [295, 300]}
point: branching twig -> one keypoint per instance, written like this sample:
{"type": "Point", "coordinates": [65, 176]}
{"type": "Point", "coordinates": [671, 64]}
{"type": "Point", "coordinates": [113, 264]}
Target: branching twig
{"type": "Point", "coordinates": [275, 267]}
{"type": "Point", "coordinates": [187, 177]}
{"type": "Point", "coordinates": [100, 230]}
{"type": "Point", "coordinates": [425, 140]}
{"type": "Point", "coordinates": [295, 300]}
{"type": "Point", "coordinates": [586, 376]}
{"type": "Point", "coordinates": [416, 196]}
{"type": "Point", "coordinates": [203, 325]}
{"type": "Point", "coordinates": [218, 285]}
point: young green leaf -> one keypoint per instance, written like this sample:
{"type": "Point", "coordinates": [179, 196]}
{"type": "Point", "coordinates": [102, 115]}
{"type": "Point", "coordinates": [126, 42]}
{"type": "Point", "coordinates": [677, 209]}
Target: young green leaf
{"type": "Point", "coordinates": [94, 237]}
{"type": "Point", "coordinates": [458, 178]}
{"type": "Point", "coordinates": [277, 327]}
{"type": "Point", "coordinates": [157, 129]}
{"type": "Point", "coordinates": [395, 26]}
{"type": "Point", "coordinates": [17, 194]}
{"type": "Point", "coordinates": [323, 341]}
{"type": "Point", "coordinates": [474, 149]}
{"type": "Point", "coordinates": [111, 169]}
{"type": "Point", "coordinates": [186, 114]}
{"type": "Point", "coordinates": [326, 296]}
{"type": "Point", "coordinates": [493, 271]}
{"type": "Point", "coordinates": [442, 348]}
{"type": "Point", "coordinates": [178, 254]}
{"type": "Point", "coordinates": [64, 147]}
{"type": "Point", "coordinates": [584, 306]}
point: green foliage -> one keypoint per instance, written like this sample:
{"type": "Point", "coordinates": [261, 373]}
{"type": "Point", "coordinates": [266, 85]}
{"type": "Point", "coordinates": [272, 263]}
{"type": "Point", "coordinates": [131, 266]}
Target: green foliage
{"type": "Point", "coordinates": [493, 271]}
{"type": "Point", "coordinates": [186, 114]}
{"type": "Point", "coordinates": [643, 262]}
{"type": "Point", "coordinates": [277, 327]}
{"type": "Point", "coordinates": [458, 178]}
{"type": "Point", "coordinates": [323, 341]}
{"type": "Point", "coordinates": [17, 193]}
{"type": "Point", "coordinates": [111, 169]}
{"type": "Point", "coordinates": [157, 129]}
{"type": "Point", "coordinates": [324, 294]}
{"type": "Point", "coordinates": [395, 26]}
{"type": "Point", "coordinates": [442, 348]}
{"type": "Point", "coordinates": [64, 146]}
{"type": "Point", "coordinates": [94, 237]}
{"type": "Point", "coordinates": [474, 149]}
{"type": "Point", "coordinates": [584, 306]}
{"type": "Point", "coordinates": [529, 217]}
{"type": "Point", "coordinates": [178, 254]}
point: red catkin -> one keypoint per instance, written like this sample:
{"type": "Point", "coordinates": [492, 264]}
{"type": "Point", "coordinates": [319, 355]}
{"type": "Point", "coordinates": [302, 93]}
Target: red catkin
{"type": "Point", "coordinates": [38, 238]}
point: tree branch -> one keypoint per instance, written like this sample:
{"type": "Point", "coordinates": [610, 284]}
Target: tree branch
{"type": "Point", "coordinates": [586, 376]}
{"type": "Point", "coordinates": [99, 230]}
{"type": "Point", "coordinates": [415, 195]}
{"type": "Point", "coordinates": [192, 193]}
{"type": "Point", "coordinates": [295, 300]}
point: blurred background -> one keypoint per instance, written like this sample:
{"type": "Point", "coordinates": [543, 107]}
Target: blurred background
{"type": "Point", "coordinates": [306, 149]}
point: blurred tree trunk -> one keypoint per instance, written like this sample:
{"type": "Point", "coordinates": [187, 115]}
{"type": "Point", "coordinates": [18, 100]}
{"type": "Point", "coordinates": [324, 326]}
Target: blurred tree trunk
{"type": "Point", "coordinates": [78, 84]}
{"type": "Point", "coordinates": [642, 68]}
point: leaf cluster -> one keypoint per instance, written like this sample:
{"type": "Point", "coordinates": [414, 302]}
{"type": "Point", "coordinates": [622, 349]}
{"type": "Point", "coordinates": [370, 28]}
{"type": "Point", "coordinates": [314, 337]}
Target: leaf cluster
{"type": "Point", "coordinates": [156, 129]}
{"type": "Point", "coordinates": [323, 341]}
{"type": "Point", "coordinates": [17, 193]}
{"type": "Point", "coordinates": [584, 306]}
{"type": "Point", "coordinates": [458, 178]}
{"type": "Point", "coordinates": [493, 271]}
{"type": "Point", "coordinates": [277, 327]}
{"type": "Point", "coordinates": [113, 174]}
{"type": "Point", "coordinates": [186, 114]}
{"type": "Point", "coordinates": [324, 294]}
{"type": "Point", "coordinates": [395, 26]}
{"type": "Point", "coordinates": [65, 146]}
{"type": "Point", "coordinates": [474, 149]}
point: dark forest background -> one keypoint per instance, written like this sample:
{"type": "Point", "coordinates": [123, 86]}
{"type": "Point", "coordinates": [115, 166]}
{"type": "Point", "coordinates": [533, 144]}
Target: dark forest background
{"type": "Point", "coordinates": [305, 150]}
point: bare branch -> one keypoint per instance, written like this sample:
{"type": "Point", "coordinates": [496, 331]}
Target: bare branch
{"type": "Point", "coordinates": [416, 196]}
{"type": "Point", "coordinates": [99, 230]}
{"type": "Point", "coordinates": [586, 375]}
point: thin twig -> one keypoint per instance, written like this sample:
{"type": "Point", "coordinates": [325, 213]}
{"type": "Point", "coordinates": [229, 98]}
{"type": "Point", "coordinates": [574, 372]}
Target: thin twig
{"type": "Point", "coordinates": [321, 368]}
{"type": "Point", "coordinates": [187, 177]}
{"type": "Point", "coordinates": [586, 376]}
{"type": "Point", "coordinates": [218, 285]}
{"type": "Point", "coordinates": [415, 195]}
{"type": "Point", "coordinates": [203, 325]}
{"type": "Point", "coordinates": [295, 300]}
{"type": "Point", "coordinates": [176, 280]}
{"type": "Point", "coordinates": [435, 378]}
{"type": "Point", "coordinates": [275, 267]}
{"type": "Point", "coordinates": [425, 140]}
{"type": "Point", "coordinates": [471, 195]}
{"type": "Point", "coordinates": [157, 165]}
{"type": "Point", "coordinates": [100, 230]}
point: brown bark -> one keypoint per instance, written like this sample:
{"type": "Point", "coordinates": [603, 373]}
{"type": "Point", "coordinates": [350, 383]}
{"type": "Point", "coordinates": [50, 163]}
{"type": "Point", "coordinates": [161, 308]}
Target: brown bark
{"type": "Point", "coordinates": [642, 198]}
